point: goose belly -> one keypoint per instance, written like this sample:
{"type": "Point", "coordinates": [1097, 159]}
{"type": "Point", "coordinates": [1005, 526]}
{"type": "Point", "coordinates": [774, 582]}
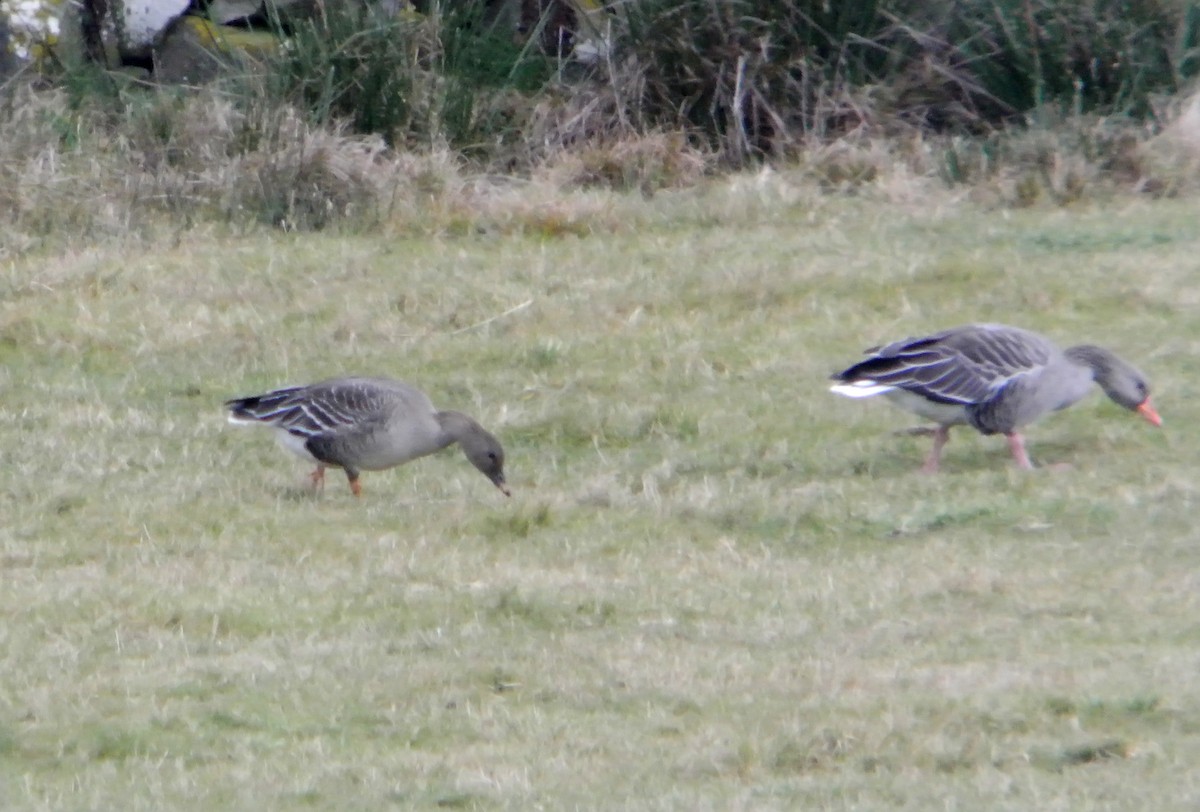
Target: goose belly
{"type": "Point", "coordinates": [395, 445]}
{"type": "Point", "coordinates": [296, 444]}
{"type": "Point", "coordinates": [947, 414]}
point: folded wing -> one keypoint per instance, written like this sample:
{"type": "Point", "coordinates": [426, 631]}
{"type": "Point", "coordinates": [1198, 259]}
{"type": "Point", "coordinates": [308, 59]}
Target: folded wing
{"type": "Point", "coordinates": [965, 365]}
{"type": "Point", "coordinates": [308, 411]}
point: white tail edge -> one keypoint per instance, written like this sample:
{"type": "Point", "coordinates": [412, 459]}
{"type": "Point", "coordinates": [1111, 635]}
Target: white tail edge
{"type": "Point", "coordinates": [861, 389]}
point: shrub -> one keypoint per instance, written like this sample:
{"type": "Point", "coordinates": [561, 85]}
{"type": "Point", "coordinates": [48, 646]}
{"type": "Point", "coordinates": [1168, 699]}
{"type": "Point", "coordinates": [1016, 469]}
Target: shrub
{"type": "Point", "coordinates": [759, 76]}
{"type": "Point", "coordinates": [412, 79]}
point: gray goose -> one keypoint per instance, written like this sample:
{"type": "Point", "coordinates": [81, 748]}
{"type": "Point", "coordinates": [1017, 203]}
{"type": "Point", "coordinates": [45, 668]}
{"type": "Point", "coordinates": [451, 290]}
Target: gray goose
{"type": "Point", "coordinates": [367, 424]}
{"type": "Point", "coordinates": [992, 377]}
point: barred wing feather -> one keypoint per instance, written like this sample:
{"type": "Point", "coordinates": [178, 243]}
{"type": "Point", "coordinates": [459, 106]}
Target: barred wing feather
{"type": "Point", "coordinates": [961, 366]}
{"type": "Point", "coordinates": [310, 411]}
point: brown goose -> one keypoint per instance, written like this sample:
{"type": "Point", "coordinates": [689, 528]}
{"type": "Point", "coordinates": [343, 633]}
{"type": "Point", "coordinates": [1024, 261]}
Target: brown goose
{"type": "Point", "coordinates": [367, 424]}
{"type": "Point", "coordinates": [992, 377]}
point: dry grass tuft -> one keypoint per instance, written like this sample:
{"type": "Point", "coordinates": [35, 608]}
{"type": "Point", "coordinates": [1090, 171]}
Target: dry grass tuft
{"type": "Point", "coordinates": [179, 159]}
{"type": "Point", "coordinates": [1171, 159]}
{"type": "Point", "coordinates": [165, 161]}
{"type": "Point", "coordinates": [307, 178]}
{"type": "Point", "coordinates": [646, 163]}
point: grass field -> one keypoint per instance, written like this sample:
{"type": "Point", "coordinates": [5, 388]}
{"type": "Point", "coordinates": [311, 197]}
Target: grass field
{"type": "Point", "coordinates": [716, 586]}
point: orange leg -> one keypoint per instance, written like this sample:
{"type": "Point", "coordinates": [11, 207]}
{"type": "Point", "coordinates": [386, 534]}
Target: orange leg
{"type": "Point", "coordinates": [355, 487]}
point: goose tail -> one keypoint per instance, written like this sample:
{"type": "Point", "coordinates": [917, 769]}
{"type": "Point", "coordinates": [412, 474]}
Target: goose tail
{"type": "Point", "coordinates": [268, 408]}
{"type": "Point", "coordinates": [862, 388]}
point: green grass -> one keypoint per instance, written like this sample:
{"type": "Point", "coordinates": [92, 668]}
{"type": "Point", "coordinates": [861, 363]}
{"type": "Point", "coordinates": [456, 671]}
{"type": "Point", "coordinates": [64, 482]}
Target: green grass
{"type": "Point", "coordinates": [716, 585]}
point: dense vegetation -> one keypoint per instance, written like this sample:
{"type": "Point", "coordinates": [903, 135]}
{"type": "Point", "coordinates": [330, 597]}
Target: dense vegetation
{"type": "Point", "coordinates": [1040, 99]}
{"type": "Point", "coordinates": [758, 76]}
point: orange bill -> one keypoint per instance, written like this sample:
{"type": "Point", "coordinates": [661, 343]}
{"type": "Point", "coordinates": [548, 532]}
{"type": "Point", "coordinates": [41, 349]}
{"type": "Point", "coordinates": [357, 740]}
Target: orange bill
{"type": "Point", "coordinates": [1147, 411]}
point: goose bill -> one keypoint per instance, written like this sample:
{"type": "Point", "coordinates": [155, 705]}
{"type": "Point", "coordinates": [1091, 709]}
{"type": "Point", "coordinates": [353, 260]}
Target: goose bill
{"type": "Point", "coordinates": [1147, 411]}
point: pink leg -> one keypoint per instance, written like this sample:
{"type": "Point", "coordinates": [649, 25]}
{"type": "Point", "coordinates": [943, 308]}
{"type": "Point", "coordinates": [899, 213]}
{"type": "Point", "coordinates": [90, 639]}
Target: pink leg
{"type": "Point", "coordinates": [318, 479]}
{"type": "Point", "coordinates": [1016, 443]}
{"type": "Point", "coordinates": [940, 435]}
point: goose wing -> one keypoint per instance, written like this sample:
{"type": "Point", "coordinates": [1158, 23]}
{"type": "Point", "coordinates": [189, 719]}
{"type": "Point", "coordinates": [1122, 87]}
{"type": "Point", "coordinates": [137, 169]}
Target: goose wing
{"type": "Point", "coordinates": [320, 410]}
{"type": "Point", "coordinates": [963, 365]}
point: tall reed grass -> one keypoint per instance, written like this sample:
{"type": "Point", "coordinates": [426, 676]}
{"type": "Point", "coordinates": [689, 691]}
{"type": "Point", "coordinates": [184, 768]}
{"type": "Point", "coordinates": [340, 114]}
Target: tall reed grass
{"type": "Point", "coordinates": [364, 120]}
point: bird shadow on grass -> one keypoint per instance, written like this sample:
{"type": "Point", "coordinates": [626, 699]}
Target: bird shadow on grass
{"type": "Point", "coordinates": [296, 493]}
{"type": "Point", "coordinates": [304, 494]}
{"type": "Point", "coordinates": [896, 458]}
{"type": "Point", "coordinates": [1056, 455]}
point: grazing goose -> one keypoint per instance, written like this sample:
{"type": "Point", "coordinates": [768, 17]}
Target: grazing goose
{"type": "Point", "coordinates": [993, 377]}
{"type": "Point", "coordinates": [367, 424]}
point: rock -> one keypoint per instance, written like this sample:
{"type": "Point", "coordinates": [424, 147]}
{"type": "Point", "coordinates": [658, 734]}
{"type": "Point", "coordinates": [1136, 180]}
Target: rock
{"type": "Point", "coordinates": [145, 21]}
{"type": "Point", "coordinates": [8, 59]}
{"type": "Point", "coordinates": [194, 50]}
{"type": "Point", "coordinates": [228, 11]}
